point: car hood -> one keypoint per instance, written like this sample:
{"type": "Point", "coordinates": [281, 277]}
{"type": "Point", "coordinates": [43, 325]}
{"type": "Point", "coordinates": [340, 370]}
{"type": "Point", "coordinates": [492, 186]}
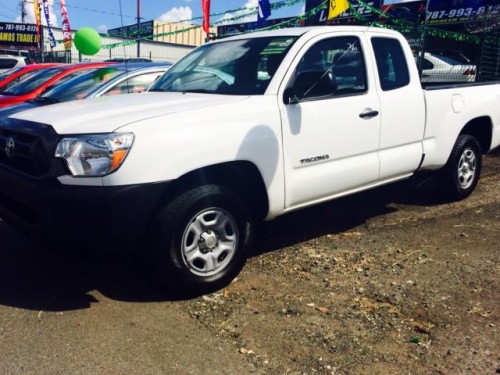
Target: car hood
{"type": "Point", "coordinates": [10, 110]}
{"type": "Point", "coordinates": [108, 113]}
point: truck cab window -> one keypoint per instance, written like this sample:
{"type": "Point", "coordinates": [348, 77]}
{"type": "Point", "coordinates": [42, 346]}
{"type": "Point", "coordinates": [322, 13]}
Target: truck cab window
{"type": "Point", "coordinates": [333, 67]}
{"type": "Point", "coordinates": [391, 63]}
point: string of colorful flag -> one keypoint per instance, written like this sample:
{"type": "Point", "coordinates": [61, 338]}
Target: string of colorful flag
{"type": "Point", "coordinates": [404, 26]}
{"type": "Point", "coordinates": [263, 11]}
{"type": "Point", "coordinates": [240, 14]}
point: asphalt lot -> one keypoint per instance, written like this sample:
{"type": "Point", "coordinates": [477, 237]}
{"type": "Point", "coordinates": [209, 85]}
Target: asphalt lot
{"type": "Point", "coordinates": [72, 314]}
{"type": "Point", "coordinates": [81, 314]}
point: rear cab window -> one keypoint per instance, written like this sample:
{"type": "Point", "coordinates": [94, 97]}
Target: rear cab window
{"type": "Point", "coordinates": [392, 66]}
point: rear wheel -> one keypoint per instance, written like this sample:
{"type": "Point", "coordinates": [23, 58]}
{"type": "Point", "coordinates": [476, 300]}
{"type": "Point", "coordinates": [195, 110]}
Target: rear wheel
{"type": "Point", "coordinates": [201, 238]}
{"type": "Point", "coordinates": [461, 173]}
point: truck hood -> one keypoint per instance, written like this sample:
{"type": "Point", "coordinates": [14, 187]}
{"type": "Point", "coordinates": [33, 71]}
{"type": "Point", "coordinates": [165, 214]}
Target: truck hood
{"type": "Point", "coordinates": [108, 113]}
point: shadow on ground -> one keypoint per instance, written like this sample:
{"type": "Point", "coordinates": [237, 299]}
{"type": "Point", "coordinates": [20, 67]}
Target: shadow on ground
{"type": "Point", "coordinates": [345, 213]}
{"type": "Point", "coordinates": [34, 279]}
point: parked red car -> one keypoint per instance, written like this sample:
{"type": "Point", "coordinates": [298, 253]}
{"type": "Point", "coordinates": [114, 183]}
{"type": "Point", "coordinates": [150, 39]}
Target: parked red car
{"type": "Point", "coordinates": [15, 75]}
{"type": "Point", "coordinates": [31, 87]}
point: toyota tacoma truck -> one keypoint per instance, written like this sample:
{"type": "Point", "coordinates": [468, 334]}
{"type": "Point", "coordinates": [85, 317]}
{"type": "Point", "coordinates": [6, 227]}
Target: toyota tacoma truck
{"type": "Point", "coordinates": [241, 129]}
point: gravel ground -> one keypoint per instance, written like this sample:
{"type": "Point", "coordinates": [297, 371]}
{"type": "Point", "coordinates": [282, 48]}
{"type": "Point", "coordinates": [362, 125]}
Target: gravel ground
{"type": "Point", "coordinates": [386, 282]}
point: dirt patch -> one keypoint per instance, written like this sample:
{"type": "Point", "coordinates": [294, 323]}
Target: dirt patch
{"type": "Point", "coordinates": [365, 287]}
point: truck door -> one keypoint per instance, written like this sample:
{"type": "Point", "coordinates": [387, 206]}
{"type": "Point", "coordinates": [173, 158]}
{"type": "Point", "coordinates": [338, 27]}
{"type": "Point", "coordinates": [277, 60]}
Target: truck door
{"type": "Point", "coordinates": [402, 102]}
{"type": "Point", "coordinates": [331, 122]}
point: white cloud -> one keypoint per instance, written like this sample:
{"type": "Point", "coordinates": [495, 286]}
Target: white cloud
{"type": "Point", "coordinates": [103, 29]}
{"type": "Point", "coordinates": [30, 15]}
{"type": "Point", "coordinates": [226, 18]}
{"type": "Point", "coordinates": [177, 14]}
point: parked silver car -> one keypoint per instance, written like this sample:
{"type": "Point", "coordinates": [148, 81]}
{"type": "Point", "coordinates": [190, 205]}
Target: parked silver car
{"type": "Point", "coordinates": [439, 68]}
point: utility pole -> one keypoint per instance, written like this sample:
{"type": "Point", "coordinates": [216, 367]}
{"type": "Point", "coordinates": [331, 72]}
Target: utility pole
{"type": "Point", "coordinates": [422, 41]}
{"type": "Point", "coordinates": [23, 10]}
{"type": "Point", "coordinates": [138, 28]}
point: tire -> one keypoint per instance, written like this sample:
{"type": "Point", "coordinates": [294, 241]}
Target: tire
{"type": "Point", "coordinates": [461, 173]}
{"type": "Point", "coordinates": [200, 240]}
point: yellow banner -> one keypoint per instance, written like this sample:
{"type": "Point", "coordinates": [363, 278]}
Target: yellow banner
{"type": "Point", "coordinates": [36, 7]}
{"type": "Point", "coordinates": [336, 7]}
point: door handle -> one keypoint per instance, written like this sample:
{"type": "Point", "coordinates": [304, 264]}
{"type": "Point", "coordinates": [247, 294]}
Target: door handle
{"type": "Point", "coordinates": [368, 114]}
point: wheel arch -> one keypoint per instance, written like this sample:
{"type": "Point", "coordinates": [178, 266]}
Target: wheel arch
{"type": "Point", "coordinates": [480, 128]}
{"type": "Point", "coordinates": [243, 177]}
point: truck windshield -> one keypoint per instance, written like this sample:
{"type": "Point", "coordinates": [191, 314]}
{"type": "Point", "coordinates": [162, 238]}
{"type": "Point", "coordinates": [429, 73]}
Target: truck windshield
{"type": "Point", "coordinates": [237, 67]}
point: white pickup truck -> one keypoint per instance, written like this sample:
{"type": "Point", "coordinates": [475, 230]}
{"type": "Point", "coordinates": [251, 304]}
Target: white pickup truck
{"type": "Point", "coordinates": [242, 129]}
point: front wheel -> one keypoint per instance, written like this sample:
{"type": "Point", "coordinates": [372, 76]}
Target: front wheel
{"type": "Point", "coordinates": [201, 238]}
{"type": "Point", "coordinates": [461, 173]}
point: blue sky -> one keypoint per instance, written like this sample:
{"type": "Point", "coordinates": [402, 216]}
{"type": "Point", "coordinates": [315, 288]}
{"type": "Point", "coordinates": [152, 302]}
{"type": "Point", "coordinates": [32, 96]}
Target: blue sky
{"type": "Point", "coordinates": [105, 14]}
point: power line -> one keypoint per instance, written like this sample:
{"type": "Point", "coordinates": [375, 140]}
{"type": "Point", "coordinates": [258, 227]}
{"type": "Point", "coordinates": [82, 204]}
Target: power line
{"type": "Point", "coordinates": [7, 17]}
{"type": "Point", "coordinates": [10, 10]}
{"type": "Point", "coordinates": [99, 11]}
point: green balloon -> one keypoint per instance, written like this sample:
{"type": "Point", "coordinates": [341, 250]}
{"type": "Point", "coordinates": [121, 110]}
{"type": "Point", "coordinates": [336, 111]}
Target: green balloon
{"type": "Point", "coordinates": [87, 41]}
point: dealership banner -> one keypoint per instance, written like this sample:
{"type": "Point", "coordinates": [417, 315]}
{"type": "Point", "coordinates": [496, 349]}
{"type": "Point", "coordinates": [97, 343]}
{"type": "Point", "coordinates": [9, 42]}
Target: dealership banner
{"type": "Point", "coordinates": [344, 18]}
{"type": "Point", "coordinates": [18, 36]}
{"type": "Point", "coordinates": [412, 11]}
{"type": "Point", "coordinates": [38, 20]}
{"type": "Point", "coordinates": [46, 11]}
{"type": "Point", "coordinates": [146, 31]}
{"type": "Point", "coordinates": [238, 28]}
{"type": "Point", "coordinates": [67, 37]}
{"type": "Point", "coordinates": [406, 11]}
{"type": "Point", "coordinates": [445, 11]}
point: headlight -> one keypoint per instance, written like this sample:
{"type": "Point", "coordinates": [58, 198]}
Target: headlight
{"type": "Point", "coordinates": [94, 155]}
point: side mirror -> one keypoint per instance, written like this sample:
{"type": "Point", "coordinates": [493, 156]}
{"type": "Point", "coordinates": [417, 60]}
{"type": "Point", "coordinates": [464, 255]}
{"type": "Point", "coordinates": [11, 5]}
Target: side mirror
{"type": "Point", "coordinates": [311, 84]}
{"type": "Point", "coordinates": [47, 89]}
{"type": "Point", "coordinates": [290, 97]}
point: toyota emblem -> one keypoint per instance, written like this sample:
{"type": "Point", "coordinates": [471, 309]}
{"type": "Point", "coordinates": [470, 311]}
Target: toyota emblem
{"type": "Point", "coordinates": [10, 146]}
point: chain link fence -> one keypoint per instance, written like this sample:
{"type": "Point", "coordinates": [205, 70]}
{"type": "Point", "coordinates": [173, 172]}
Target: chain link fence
{"type": "Point", "coordinates": [452, 41]}
{"type": "Point", "coordinates": [489, 61]}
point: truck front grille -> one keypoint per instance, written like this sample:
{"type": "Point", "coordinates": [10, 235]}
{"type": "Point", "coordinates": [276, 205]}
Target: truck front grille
{"type": "Point", "coordinates": [26, 150]}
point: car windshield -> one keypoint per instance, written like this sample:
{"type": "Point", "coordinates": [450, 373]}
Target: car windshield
{"type": "Point", "coordinates": [448, 60]}
{"type": "Point", "coordinates": [237, 67]}
{"type": "Point", "coordinates": [15, 80]}
{"type": "Point", "coordinates": [32, 83]}
{"type": "Point", "coordinates": [79, 87]}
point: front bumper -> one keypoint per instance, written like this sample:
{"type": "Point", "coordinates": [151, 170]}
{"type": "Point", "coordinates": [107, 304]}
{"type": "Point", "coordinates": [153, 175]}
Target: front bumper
{"type": "Point", "coordinates": [104, 218]}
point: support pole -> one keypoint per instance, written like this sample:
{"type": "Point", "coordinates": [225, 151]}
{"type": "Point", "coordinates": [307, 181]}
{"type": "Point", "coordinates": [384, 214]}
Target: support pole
{"type": "Point", "coordinates": [23, 10]}
{"type": "Point", "coordinates": [138, 28]}
{"type": "Point", "coordinates": [422, 41]}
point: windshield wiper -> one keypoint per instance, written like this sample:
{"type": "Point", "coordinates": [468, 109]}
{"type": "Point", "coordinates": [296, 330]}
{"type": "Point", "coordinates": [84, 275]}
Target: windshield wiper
{"type": "Point", "coordinates": [198, 91]}
{"type": "Point", "coordinates": [45, 100]}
